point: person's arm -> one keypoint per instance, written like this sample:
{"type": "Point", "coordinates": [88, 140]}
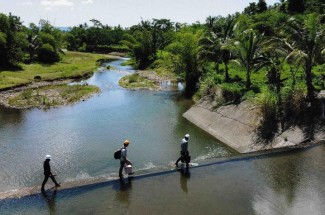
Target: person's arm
{"type": "Point", "coordinates": [127, 161]}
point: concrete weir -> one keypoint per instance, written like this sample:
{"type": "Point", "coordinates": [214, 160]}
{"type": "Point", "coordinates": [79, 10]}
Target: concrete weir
{"type": "Point", "coordinates": [85, 185]}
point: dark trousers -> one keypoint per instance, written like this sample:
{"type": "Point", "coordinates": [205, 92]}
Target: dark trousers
{"type": "Point", "coordinates": [120, 174]}
{"type": "Point", "coordinates": [183, 158]}
{"type": "Point", "coordinates": [46, 177]}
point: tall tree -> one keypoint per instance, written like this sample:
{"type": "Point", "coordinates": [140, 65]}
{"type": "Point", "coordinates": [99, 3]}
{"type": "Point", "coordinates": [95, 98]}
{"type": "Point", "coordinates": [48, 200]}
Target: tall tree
{"type": "Point", "coordinates": [315, 6]}
{"type": "Point", "coordinates": [261, 6]}
{"type": "Point", "coordinates": [34, 41]}
{"type": "Point", "coordinates": [215, 45]}
{"type": "Point", "coordinates": [308, 36]}
{"type": "Point", "coordinates": [12, 40]}
{"type": "Point", "coordinates": [248, 46]}
{"type": "Point", "coordinates": [184, 52]}
{"type": "Point", "coordinates": [296, 6]}
{"type": "Point", "coordinates": [251, 9]}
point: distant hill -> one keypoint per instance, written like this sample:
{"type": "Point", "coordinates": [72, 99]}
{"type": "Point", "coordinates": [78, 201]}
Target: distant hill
{"type": "Point", "coordinates": [64, 28]}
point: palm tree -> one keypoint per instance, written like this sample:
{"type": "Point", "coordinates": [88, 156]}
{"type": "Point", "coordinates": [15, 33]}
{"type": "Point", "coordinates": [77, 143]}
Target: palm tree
{"type": "Point", "coordinates": [215, 45]}
{"type": "Point", "coordinates": [248, 46]}
{"type": "Point", "coordinates": [210, 48]}
{"type": "Point", "coordinates": [308, 39]}
{"type": "Point", "coordinates": [226, 35]}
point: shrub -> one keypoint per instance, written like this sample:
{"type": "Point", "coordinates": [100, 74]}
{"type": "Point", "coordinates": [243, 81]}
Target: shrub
{"type": "Point", "coordinates": [268, 127]}
{"type": "Point", "coordinates": [46, 54]}
{"type": "Point", "coordinates": [268, 104]}
{"type": "Point", "coordinates": [26, 94]}
{"type": "Point", "coordinates": [231, 92]}
{"type": "Point", "coordinates": [133, 78]}
{"type": "Point", "coordinates": [208, 85]}
{"type": "Point", "coordinates": [37, 77]}
{"type": "Point", "coordinates": [294, 103]}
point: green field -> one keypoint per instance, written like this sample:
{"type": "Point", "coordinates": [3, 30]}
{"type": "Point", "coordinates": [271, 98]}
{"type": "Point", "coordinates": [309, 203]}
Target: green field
{"type": "Point", "coordinates": [72, 65]}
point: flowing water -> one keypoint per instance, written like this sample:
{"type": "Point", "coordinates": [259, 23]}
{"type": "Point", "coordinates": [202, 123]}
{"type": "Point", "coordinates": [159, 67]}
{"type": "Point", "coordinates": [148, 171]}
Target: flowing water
{"type": "Point", "coordinates": [82, 138]}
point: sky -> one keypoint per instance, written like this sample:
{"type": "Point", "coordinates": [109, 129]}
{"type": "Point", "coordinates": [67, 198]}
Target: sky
{"type": "Point", "coordinates": [67, 13]}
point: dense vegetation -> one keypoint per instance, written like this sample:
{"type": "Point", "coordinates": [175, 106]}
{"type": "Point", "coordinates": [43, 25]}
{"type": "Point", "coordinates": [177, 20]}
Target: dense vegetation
{"type": "Point", "coordinates": [272, 55]}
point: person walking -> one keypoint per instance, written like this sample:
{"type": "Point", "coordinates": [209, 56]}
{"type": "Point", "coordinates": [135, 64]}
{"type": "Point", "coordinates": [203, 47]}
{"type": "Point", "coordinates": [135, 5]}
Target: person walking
{"type": "Point", "coordinates": [123, 159]}
{"type": "Point", "coordinates": [185, 156]}
{"type": "Point", "coordinates": [47, 172]}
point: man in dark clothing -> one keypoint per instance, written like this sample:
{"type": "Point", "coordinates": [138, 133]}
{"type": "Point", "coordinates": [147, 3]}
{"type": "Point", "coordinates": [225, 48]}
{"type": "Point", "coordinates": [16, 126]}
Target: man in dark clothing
{"type": "Point", "coordinates": [47, 172]}
{"type": "Point", "coordinates": [185, 156]}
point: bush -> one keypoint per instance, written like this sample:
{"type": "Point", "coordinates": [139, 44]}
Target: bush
{"type": "Point", "coordinates": [133, 78]}
{"type": "Point", "coordinates": [268, 127]}
{"type": "Point", "coordinates": [231, 92]}
{"type": "Point", "coordinates": [208, 85]}
{"type": "Point", "coordinates": [46, 54]}
{"type": "Point", "coordinates": [26, 94]}
{"type": "Point", "coordinates": [37, 78]}
{"type": "Point", "coordinates": [294, 103]}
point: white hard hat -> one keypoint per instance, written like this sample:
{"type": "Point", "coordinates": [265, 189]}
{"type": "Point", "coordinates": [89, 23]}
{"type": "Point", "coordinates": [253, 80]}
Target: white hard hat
{"type": "Point", "coordinates": [48, 157]}
{"type": "Point", "coordinates": [187, 135]}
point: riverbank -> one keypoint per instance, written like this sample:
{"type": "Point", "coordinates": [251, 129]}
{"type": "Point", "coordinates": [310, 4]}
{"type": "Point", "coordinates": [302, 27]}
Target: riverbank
{"type": "Point", "coordinates": [34, 81]}
{"type": "Point", "coordinates": [72, 66]}
{"type": "Point", "coordinates": [147, 80]}
{"type": "Point", "coordinates": [47, 96]}
{"type": "Point", "coordinates": [236, 125]}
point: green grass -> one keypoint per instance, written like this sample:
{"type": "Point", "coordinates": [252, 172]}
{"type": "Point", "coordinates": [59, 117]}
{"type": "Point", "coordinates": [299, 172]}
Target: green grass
{"type": "Point", "coordinates": [51, 96]}
{"type": "Point", "coordinates": [259, 80]}
{"type": "Point", "coordinates": [135, 81]}
{"type": "Point", "coordinates": [72, 65]}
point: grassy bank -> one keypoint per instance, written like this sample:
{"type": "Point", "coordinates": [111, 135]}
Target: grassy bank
{"type": "Point", "coordinates": [51, 96]}
{"type": "Point", "coordinates": [72, 65]}
{"type": "Point", "coordinates": [135, 81]}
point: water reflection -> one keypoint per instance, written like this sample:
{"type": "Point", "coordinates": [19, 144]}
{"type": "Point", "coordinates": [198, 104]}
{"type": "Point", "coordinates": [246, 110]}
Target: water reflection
{"type": "Point", "coordinates": [283, 175]}
{"type": "Point", "coordinates": [123, 194]}
{"type": "Point", "coordinates": [50, 197]}
{"type": "Point", "coordinates": [292, 184]}
{"type": "Point", "coordinates": [184, 178]}
{"type": "Point", "coordinates": [10, 116]}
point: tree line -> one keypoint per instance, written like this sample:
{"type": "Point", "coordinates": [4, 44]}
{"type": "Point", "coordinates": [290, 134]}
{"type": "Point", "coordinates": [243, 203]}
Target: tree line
{"type": "Point", "coordinates": [275, 52]}
{"type": "Point", "coordinates": [19, 43]}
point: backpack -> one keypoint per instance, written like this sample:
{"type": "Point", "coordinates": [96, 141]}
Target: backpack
{"type": "Point", "coordinates": [117, 154]}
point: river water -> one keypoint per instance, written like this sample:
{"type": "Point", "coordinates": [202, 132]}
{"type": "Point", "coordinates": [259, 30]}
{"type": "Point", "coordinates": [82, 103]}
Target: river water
{"type": "Point", "coordinates": [82, 138]}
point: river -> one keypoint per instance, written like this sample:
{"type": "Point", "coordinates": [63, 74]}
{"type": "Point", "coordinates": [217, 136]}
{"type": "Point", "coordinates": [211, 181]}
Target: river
{"type": "Point", "coordinates": [82, 138]}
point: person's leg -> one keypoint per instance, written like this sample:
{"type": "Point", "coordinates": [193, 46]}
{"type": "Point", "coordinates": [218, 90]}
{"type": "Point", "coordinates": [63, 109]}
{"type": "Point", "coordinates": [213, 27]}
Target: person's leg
{"type": "Point", "coordinates": [187, 160]}
{"type": "Point", "coordinates": [53, 179]}
{"type": "Point", "coordinates": [46, 177]}
{"type": "Point", "coordinates": [120, 174]}
{"type": "Point", "coordinates": [178, 160]}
